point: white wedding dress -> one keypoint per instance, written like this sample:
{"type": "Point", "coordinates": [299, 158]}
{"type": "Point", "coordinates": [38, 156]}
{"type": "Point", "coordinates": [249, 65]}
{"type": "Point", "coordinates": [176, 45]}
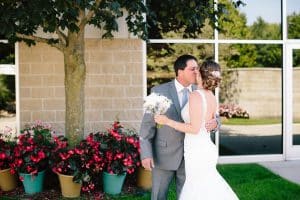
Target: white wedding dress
{"type": "Point", "coordinates": [203, 181]}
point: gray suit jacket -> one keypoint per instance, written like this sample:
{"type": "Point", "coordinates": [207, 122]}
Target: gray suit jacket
{"type": "Point", "coordinates": [164, 144]}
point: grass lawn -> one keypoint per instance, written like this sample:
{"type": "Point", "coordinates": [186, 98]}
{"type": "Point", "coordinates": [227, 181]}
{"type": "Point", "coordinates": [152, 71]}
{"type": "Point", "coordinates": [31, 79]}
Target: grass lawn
{"type": "Point", "coordinates": [251, 121]}
{"type": "Point", "coordinates": [254, 121]}
{"type": "Point", "coordinates": [249, 181]}
{"type": "Point", "coordinates": [254, 182]}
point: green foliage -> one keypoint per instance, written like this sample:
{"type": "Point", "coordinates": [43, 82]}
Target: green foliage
{"type": "Point", "coordinates": [234, 26]}
{"type": "Point", "coordinates": [4, 92]}
{"type": "Point", "coordinates": [267, 55]}
{"type": "Point", "coordinates": [185, 19]}
{"type": "Point", "coordinates": [240, 55]}
{"type": "Point", "coordinates": [7, 90]}
{"type": "Point", "coordinates": [232, 23]}
{"type": "Point", "coordinates": [294, 33]}
{"type": "Point", "coordinates": [25, 17]}
{"type": "Point", "coordinates": [294, 26]}
{"type": "Point", "coordinates": [7, 53]}
{"type": "Point", "coordinates": [296, 58]}
{"type": "Point", "coordinates": [263, 30]}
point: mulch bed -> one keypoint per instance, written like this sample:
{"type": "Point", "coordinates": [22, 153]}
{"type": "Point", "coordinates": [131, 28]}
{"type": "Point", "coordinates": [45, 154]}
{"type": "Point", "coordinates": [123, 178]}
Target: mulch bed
{"type": "Point", "coordinates": [51, 191]}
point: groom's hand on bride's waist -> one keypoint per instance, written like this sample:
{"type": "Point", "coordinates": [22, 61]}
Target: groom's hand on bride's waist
{"type": "Point", "coordinates": [148, 163]}
{"type": "Point", "coordinates": [211, 125]}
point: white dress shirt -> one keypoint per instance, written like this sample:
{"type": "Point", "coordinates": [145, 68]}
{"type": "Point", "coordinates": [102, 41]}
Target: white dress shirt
{"type": "Point", "coordinates": [179, 89]}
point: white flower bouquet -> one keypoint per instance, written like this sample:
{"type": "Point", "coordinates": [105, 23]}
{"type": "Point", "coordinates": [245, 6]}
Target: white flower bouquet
{"type": "Point", "coordinates": [156, 104]}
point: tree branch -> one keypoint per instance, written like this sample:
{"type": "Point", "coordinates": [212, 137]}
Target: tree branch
{"type": "Point", "coordinates": [62, 37]}
{"type": "Point", "coordinates": [90, 14]}
{"type": "Point", "coordinates": [40, 39]}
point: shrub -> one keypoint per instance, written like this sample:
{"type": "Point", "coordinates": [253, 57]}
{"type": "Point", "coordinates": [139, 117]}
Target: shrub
{"type": "Point", "coordinates": [232, 111]}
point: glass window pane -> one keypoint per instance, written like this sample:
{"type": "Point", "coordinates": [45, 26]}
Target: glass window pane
{"type": "Point", "coordinates": [161, 58]}
{"type": "Point", "coordinates": [296, 97]}
{"type": "Point", "coordinates": [7, 53]}
{"type": "Point", "coordinates": [251, 99]}
{"type": "Point", "coordinates": [257, 19]}
{"type": "Point", "coordinates": [7, 101]}
{"type": "Point", "coordinates": [293, 19]}
{"type": "Point", "coordinates": [173, 19]}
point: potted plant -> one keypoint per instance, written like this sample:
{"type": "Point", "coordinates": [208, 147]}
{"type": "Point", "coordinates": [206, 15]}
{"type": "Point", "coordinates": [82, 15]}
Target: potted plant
{"type": "Point", "coordinates": [7, 144]}
{"type": "Point", "coordinates": [76, 166]}
{"type": "Point", "coordinates": [31, 155]}
{"type": "Point", "coordinates": [121, 150]}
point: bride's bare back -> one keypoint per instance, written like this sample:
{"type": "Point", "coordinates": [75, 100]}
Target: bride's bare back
{"type": "Point", "coordinates": [196, 109]}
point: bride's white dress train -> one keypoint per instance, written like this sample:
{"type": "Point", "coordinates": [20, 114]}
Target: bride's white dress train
{"type": "Point", "coordinates": [203, 181]}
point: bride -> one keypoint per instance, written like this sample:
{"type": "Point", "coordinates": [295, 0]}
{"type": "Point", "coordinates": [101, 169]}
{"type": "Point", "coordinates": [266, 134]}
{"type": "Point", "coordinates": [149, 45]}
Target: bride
{"type": "Point", "coordinates": [203, 182]}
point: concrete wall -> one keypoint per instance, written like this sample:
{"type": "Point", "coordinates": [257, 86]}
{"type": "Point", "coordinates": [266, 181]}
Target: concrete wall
{"type": "Point", "coordinates": [260, 91]}
{"type": "Point", "coordinates": [114, 84]}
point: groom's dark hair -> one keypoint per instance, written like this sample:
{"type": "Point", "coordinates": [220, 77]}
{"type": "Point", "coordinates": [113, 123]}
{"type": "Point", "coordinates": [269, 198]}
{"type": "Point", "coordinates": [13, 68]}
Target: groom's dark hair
{"type": "Point", "coordinates": [181, 61]}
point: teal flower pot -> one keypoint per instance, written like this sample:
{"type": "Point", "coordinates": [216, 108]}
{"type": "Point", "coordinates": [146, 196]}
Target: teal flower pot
{"type": "Point", "coordinates": [113, 183]}
{"type": "Point", "coordinates": [33, 184]}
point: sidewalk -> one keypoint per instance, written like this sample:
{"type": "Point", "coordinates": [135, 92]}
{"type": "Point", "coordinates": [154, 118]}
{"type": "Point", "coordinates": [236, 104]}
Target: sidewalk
{"type": "Point", "coordinates": [289, 170]}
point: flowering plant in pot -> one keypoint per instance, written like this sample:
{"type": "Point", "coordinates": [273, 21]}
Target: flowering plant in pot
{"type": "Point", "coordinates": [33, 149]}
{"type": "Point", "coordinates": [121, 149]}
{"type": "Point", "coordinates": [31, 155]}
{"type": "Point", "coordinates": [83, 161]}
{"type": "Point", "coordinates": [7, 144]}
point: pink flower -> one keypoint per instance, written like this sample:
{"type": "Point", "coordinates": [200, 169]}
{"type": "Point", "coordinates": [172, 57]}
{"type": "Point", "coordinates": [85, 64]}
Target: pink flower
{"type": "Point", "coordinates": [2, 155]}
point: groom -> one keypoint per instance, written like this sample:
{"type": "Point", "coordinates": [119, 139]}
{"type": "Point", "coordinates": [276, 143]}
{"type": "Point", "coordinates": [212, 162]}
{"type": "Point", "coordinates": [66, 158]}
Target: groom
{"type": "Point", "coordinates": [162, 148]}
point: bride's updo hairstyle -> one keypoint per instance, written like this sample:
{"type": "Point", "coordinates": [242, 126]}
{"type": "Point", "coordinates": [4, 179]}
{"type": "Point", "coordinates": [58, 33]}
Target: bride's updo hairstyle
{"type": "Point", "coordinates": [211, 74]}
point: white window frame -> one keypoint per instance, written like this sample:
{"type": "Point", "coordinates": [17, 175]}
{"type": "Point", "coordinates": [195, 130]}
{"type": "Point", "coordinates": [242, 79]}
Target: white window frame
{"type": "Point", "coordinates": [286, 90]}
{"type": "Point", "coordinates": [13, 69]}
{"type": "Point", "coordinates": [292, 152]}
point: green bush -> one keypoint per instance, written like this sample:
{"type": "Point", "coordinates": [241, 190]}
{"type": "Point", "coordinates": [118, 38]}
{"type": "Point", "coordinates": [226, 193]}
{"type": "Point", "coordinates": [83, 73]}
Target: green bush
{"type": "Point", "coordinates": [7, 92]}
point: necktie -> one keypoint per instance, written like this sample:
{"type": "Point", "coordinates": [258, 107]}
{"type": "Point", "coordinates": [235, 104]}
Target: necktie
{"type": "Point", "coordinates": [184, 99]}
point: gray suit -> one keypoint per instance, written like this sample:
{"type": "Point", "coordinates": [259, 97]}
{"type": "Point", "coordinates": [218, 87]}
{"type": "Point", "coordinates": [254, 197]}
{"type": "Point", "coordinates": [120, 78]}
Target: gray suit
{"type": "Point", "coordinates": [164, 145]}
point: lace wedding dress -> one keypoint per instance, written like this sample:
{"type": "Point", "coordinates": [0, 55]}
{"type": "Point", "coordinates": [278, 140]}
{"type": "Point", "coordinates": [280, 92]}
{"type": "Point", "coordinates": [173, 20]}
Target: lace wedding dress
{"type": "Point", "coordinates": [203, 181]}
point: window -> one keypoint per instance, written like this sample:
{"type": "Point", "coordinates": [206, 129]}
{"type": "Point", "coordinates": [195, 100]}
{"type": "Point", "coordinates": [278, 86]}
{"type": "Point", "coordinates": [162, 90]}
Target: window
{"type": "Point", "coordinates": [251, 97]}
{"type": "Point", "coordinates": [7, 85]}
{"type": "Point", "coordinates": [293, 19]}
{"type": "Point", "coordinates": [250, 49]}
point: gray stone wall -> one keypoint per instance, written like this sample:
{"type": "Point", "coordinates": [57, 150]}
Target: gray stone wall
{"type": "Point", "coordinates": [260, 91]}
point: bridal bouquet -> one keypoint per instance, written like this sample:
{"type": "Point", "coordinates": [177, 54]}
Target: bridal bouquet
{"type": "Point", "coordinates": [156, 104]}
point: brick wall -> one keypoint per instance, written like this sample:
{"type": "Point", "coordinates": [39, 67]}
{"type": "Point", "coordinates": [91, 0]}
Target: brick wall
{"type": "Point", "coordinates": [114, 84]}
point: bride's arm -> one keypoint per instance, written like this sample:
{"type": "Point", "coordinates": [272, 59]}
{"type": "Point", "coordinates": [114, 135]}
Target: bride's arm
{"type": "Point", "coordinates": [195, 111]}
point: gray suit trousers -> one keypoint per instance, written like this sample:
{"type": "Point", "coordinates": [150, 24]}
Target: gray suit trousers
{"type": "Point", "coordinates": [161, 180]}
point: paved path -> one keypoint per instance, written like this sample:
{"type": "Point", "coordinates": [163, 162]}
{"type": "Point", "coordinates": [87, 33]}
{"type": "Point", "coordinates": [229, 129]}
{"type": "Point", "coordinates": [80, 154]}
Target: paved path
{"type": "Point", "coordinates": [256, 130]}
{"type": "Point", "coordinates": [289, 170]}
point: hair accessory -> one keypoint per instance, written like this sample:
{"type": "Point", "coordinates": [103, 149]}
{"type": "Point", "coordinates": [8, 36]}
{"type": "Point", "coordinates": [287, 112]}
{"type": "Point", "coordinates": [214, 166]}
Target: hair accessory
{"type": "Point", "coordinates": [216, 74]}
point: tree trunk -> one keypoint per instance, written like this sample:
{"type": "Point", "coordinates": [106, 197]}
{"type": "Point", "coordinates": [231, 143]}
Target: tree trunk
{"type": "Point", "coordinates": [75, 72]}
